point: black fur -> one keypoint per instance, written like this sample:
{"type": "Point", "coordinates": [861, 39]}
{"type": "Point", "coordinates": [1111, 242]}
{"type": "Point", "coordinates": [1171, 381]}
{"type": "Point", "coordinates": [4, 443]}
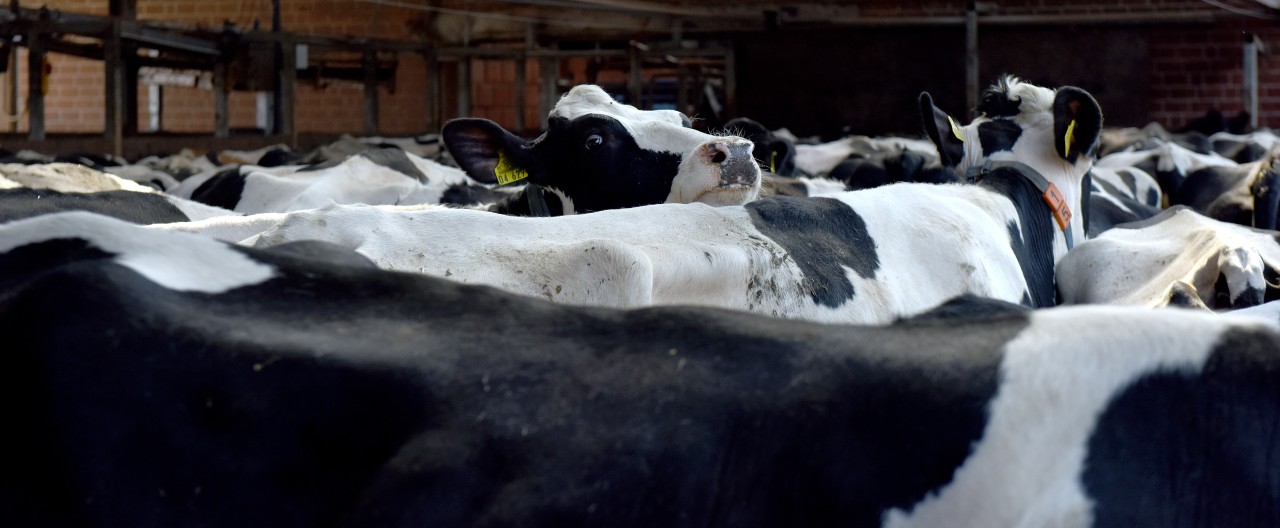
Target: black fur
{"type": "Point", "coordinates": [998, 135]}
{"type": "Point", "coordinates": [339, 395]}
{"type": "Point", "coordinates": [130, 206]}
{"type": "Point", "coordinates": [223, 189]}
{"type": "Point", "coordinates": [1174, 438]}
{"type": "Point", "coordinates": [1033, 243]}
{"type": "Point", "coordinates": [823, 236]}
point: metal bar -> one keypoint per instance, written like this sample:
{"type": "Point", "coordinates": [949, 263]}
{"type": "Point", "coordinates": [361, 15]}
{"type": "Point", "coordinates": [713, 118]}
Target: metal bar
{"type": "Point", "coordinates": [370, 62]}
{"type": "Point", "coordinates": [35, 88]}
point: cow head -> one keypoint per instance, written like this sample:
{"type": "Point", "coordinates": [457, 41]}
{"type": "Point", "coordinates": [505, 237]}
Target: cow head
{"type": "Point", "coordinates": [1052, 131]}
{"type": "Point", "coordinates": [602, 154]}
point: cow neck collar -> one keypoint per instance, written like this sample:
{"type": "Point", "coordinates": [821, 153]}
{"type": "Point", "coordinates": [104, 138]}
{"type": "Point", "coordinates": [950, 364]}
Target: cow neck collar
{"type": "Point", "coordinates": [536, 200]}
{"type": "Point", "coordinates": [1053, 198]}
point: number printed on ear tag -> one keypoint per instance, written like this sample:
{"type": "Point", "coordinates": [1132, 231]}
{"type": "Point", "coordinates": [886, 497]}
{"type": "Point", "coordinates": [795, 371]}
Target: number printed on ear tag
{"type": "Point", "coordinates": [506, 172]}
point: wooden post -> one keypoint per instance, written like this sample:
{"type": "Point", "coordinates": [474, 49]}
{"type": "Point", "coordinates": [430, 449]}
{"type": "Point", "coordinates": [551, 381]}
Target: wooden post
{"type": "Point", "coordinates": [285, 90]}
{"type": "Point", "coordinates": [369, 60]}
{"type": "Point", "coordinates": [547, 92]}
{"type": "Point", "coordinates": [433, 90]}
{"type": "Point", "coordinates": [221, 99]}
{"type": "Point", "coordinates": [35, 89]}
{"type": "Point", "coordinates": [730, 83]}
{"type": "Point", "coordinates": [522, 62]}
{"type": "Point", "coordinates": [113, 70]}
{"type": "Point", "coordinates": [971, 59]}
{"type": "Point", "coordinates": [634, 94]}
{"type": "Point", "coordinates": [464, 86]}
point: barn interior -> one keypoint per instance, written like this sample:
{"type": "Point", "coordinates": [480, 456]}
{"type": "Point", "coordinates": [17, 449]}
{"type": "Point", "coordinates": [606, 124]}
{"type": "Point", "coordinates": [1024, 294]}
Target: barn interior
{"type": "Point", "coordinates": [130, 77]}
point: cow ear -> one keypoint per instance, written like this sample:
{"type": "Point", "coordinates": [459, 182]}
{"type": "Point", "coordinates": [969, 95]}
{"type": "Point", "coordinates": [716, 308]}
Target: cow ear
{"type": "Point", "coordinates": [486, 151]}
{"type": "Point", "coordinates": [1077, 123]}
{"type": "Point", "coordinates": [942, 130]}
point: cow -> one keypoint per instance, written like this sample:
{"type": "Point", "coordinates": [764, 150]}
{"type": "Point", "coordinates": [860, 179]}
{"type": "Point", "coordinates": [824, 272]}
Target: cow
{"type": "Point", "coordinates": [1177, 257]}
{"type": "Point", "coordinates": [821, 159]}
{"type": "Point", "coordinates": [601, 154]}
{"type": "Point", "coordinates": [31, 190]}
{"type": "Point", "coordinates": [864, 256]}
{"type": "Point", "coordinates": [1247, 194]}
{"type": "Point", "coordinates": [373, 176]}
{"type": "Point", "coordinates": [1118, 196]}
{"type": "Point", "coordinates": [1169, 162]}
{"type": "Point", "coordinates": [163, 379]}
{"type": "Point", "coordinates": [1245, 148]}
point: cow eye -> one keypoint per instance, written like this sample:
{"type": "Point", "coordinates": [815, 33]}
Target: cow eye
{"type": "Point", "coordinates": [594, 140]}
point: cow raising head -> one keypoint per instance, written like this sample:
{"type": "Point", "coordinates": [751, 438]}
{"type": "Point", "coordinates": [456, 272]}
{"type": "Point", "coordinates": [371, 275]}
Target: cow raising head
{"type": "Point", "coordinates": [1052, 131]}
{"type": "Point", "coordinates": [602, 154]}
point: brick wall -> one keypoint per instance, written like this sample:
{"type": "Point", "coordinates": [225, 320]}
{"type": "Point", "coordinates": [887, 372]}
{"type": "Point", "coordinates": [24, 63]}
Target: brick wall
{"type": "Point", "coordinates": [74, 103]}
{"type": "Point", "coordinates": [1193, 67]}
{"type": "Point", "coordinates": [1193, 71]}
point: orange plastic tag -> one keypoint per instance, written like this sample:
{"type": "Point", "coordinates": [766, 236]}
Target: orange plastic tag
{"type": "Point", "coordinates": [1058, 205]}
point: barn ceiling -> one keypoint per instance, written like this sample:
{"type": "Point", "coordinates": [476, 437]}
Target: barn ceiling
{"type": "Point", "coordinates": [481, 21]}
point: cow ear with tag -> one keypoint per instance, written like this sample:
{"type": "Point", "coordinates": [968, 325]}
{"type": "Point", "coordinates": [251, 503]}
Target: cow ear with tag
{"type": "Point", "coordinates": [1077, 123]}
{"type": "Point", "coordinates": [943, 131]}
{"type": "Point", "coordinates": [486, 151]}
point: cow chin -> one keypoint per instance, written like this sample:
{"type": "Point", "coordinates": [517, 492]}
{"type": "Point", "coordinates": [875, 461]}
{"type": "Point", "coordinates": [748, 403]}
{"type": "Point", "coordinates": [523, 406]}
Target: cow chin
{"type": "Point", "coordinates": [704, 184]}
{"type": "Point", "coordinates": [735, 194]}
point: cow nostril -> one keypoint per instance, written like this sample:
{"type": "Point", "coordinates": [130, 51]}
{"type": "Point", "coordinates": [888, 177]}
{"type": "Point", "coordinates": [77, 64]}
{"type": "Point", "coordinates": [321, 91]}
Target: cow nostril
{"type": "Point", "coordinates": [718, 157]}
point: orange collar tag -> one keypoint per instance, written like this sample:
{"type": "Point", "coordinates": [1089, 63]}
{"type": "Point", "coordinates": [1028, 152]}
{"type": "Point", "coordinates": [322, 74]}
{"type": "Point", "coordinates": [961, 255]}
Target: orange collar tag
{"type": "Point", "coordinates": [1058, 205]}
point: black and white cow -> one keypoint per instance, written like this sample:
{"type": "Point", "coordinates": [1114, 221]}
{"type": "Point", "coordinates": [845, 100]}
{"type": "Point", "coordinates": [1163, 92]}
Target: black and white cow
{"type": "Point", "coordinates": [161, 379]}
{"type": "Point", "coordinates": [1178, 252]}
{"type": "Point", "coordinates": [1118, 196]}
{"type": "Point", "coordinates": [865, 256]}
{"type": "Point", "coordinates": [1248, 194]}
{"type": "Point", "coordinates": [32, 190]}
{"type": "Point", "coordinates": [372, 176]}
{"type": "Point", "coordinates": [600, 154]}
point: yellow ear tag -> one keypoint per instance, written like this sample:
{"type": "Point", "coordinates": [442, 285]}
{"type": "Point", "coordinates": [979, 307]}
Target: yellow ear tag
{"type": "Point", "coordinates": [955, 130]}
{"type": "Point", "coordinates": [506, 172]}
{"type": "Point", "coordinates": [1066, 140]}
{"type": "Point", "coordinates": [773, 162]}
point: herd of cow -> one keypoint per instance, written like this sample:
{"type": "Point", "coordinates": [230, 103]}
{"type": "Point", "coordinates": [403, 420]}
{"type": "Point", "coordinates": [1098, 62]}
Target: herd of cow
{"type": "Point", "coordinates": [1026, 320]}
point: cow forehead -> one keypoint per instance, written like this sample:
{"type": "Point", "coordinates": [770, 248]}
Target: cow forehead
{"type": "Point", "coordinates": [1009, 92]}
{"type": "Point", "coordinates": [591, 99]}
{"type": "Point", "coordinates": [650, 135]}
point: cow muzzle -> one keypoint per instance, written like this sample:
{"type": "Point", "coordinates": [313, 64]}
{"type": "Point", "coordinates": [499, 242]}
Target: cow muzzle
{"type": "Point", "coordinates": [720, 171]}
{"type": "Point", "coordinates": [734, 158]}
